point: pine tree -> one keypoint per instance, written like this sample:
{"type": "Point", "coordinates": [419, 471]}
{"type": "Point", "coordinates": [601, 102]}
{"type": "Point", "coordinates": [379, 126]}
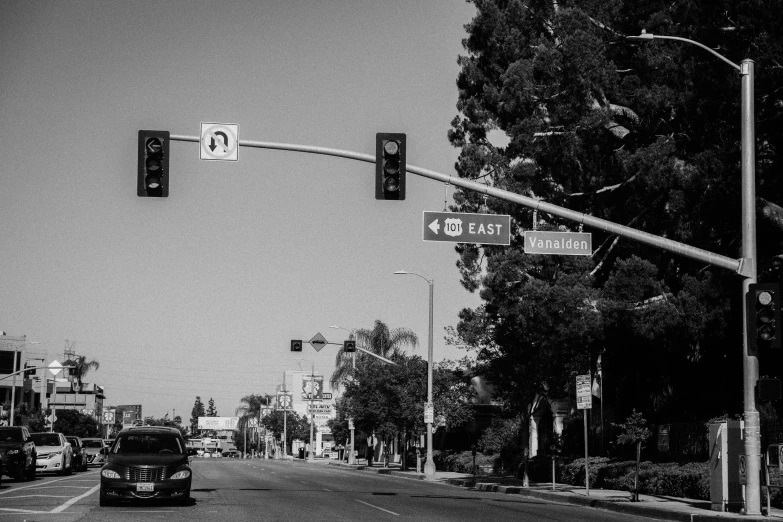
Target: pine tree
{"type": "Point", "coordinates": [211, 410]}
{"type": "Point", "coordinates": [198, 411]}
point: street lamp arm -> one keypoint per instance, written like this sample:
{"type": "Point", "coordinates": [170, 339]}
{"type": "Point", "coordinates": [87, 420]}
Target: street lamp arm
{"type": "Point", "coordinates": [405, 272]}
{"type": "Point", "coordinates": [649, 36]}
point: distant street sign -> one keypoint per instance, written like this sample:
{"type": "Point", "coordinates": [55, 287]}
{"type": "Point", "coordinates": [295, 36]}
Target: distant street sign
{"type": "Point", "coordinates": [219, 141]}
{"type": "Point", "coordinates": [584, 395]}
{"type": "Point", "coordinates": [455, 227]}
{"type": "Point", "coordinates": [55, 367]}
{"type": "Point", "coordinates": [429, 413]}
{"type": "Point", "coordinates": [560, 243]}
{"type": "Point", "coordinates": [318, 342]}
{"type": "Point", "coordinates": [108, 416]}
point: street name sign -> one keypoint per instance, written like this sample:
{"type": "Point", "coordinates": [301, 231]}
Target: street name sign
{"type": "Point", "coordinates": [219, 141]}
{"type": "Point", "coordinates": [561, 243]}
{"type": "Point", "coordinates": [584, 396]}
{"type": "Point", "coordinates": [318, 341]}
{"type": "Point", "coordinates": [456, 227]}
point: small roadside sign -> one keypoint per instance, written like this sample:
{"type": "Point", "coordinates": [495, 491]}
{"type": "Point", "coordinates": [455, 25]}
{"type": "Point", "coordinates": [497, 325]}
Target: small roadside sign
{"type": "Point", "coordinates": [584, 396]}
{"type": "Point", "coordinates": [219, 141]}
{"type": "Point", "coordinates": [429, 413]}
{"type": "Point", "coordinates": [743, 471]}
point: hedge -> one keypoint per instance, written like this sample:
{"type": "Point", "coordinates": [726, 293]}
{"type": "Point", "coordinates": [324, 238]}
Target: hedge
{"type": "Point", "coordinates": [689, 481]}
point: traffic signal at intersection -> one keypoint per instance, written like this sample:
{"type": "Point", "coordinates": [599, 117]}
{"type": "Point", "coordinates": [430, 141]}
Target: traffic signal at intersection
{"type": "Point", "coordinates": [390, 166]}
{"type": "Point", "coordinates": [349, 346]}
{"type": "Point", "coordinates": [153, 164]}
{"type": "Point", "coordinates": [296, 345]}
{"type": "Point", "coordinates": [763, 302]}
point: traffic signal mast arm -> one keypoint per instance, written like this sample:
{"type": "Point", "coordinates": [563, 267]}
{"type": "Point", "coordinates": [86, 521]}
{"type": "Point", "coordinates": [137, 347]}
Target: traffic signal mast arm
{"type": "Point", "coordinates": [705, 256]}
{"type": "Point", "coordinates": [31, 368]}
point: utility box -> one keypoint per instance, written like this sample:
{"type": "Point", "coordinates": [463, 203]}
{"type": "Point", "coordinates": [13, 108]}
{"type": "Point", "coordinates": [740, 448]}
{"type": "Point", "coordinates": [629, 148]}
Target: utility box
{"type": "Point", "coordinates": [726, 446]}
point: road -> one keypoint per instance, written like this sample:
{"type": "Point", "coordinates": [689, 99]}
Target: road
{"type": "Point", "coordinates": [245, 490]}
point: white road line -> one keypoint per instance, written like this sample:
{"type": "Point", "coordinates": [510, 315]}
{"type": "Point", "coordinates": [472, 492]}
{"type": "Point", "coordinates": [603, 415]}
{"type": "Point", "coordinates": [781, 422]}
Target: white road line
{"type": "Point", "coordinates": [376, 507]}
{"type": "Point", "coordinates": [45, 496]}
{"type": "Point", "coordinates": [17, 511]}
{"type": "Point", "coordinates": [32, 486]}
{"type": "Point", "coordinates": [74, 500]}
{"type": "Point", "coordinates": [329, 490]}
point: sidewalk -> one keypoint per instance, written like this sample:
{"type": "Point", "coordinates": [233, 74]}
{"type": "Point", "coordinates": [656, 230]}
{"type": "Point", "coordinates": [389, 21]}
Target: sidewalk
{"type": "Point", "coordinates": [649, 506]}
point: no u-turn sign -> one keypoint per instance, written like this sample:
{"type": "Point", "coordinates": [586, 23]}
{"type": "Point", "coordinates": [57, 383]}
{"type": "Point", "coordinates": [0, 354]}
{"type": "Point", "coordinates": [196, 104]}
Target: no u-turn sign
{"type": "Point", "coordinates": [219, 141]}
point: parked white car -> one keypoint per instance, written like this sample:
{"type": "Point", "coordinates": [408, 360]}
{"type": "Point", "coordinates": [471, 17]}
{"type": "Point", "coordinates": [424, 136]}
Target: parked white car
{"type": "Point", "coordinates": [54, 453]}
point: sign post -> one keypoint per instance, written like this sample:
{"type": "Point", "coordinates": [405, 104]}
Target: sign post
{"type": "Point", "coordinates": [584, 402]}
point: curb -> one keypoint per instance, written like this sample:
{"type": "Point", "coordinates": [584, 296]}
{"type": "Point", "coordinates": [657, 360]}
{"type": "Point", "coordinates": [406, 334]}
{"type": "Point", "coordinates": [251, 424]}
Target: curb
{"type": "Point", "coordinates": [628, 508]}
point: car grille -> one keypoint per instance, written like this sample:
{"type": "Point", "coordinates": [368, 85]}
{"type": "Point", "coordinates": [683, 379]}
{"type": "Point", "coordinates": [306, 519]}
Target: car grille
{"type": "Point", "coordinates": [146, 474]}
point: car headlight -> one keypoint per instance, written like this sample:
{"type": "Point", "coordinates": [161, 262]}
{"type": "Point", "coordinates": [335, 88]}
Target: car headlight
{"type": "Point", "coordinates": [110, 473]}
{"type": "Point", "coordinates": [181, 474]}
{"type": "Point", "coordinates": [12, 452]}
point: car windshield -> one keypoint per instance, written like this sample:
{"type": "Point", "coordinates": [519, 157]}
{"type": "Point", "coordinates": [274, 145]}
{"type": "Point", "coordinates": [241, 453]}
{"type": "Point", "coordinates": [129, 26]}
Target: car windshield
{"type": "Point", "coordinates": [46, 439]}
{"type": "Point", "coordinates": [148, 443]}
{"type": "Point", "coordinates": [10, 435]}
{"type": "Point", "coordinates": [92, 443]}
{"type": "Point", "coordinates": [73, 440]}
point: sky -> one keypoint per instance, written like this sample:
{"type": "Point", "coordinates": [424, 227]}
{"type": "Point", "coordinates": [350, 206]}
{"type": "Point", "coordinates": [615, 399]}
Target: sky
{"type": "Point", "coordinates": [200, 293]}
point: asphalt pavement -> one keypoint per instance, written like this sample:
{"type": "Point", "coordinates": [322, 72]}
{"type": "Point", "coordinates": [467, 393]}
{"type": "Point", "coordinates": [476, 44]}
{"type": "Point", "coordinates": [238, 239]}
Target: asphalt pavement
{"type": "Point", "coordinates": [257, 489]}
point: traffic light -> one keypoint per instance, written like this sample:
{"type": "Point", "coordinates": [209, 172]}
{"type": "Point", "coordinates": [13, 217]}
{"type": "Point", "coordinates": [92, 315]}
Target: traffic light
{"type": "Point", "coordinates": [349, 346]}
{"type": "Point", "coordinates": [29, 374]}
{"type": "Point", "coordinates": [768, 389]}
{"type": "Point", "coordinates": [153, 180]}
{"type": "Point", "coordinates": [763, 302]}
{"type": "Point", "coordinates": [390, 166]}
{"type": "Point", "coordinates": [296, 345]}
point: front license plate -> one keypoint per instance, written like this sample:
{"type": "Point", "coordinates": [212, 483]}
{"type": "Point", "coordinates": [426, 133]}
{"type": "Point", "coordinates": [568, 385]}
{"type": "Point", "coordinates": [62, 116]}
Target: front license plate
{"type": "Point", "coordinates": [145, 486]}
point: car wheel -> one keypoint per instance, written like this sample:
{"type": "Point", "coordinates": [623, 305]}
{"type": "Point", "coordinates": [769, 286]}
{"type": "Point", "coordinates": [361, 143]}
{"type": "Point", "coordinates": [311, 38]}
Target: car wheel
{"type": "Point", "coordinates": [22, 475]}
{"type": "Point", "coordinates": [31, 472]}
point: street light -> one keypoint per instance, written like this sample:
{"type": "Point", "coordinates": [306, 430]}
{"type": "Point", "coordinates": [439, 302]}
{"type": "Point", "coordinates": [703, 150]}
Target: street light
{"type": "Point", "coordinates": [429, 465]}
{"type": "Point", "coordinates": [310, 457]}
{"type": "Point", "coordinates": [750, 363]}
{"type": "Point", "coordinates": [351, 457]}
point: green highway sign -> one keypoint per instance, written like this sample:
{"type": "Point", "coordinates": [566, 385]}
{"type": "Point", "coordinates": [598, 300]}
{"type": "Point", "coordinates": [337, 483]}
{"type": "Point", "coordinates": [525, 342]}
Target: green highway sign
{"type": "Point", "coordinates": [456, 227]}
{"type": "Point", "coordinates": [561, 243]}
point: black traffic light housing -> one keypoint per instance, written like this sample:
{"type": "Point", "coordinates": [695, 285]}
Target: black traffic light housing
{"type": "Point", "coordinates": [763, 305]}
{"type": "Point", "coordinates": [768, 389]}
{"type": "Point", "coordinates": [390, 166]}
{"type": "Point", "coordinates": [349, 346]}
{"type": "Point", "coordinates": [296, 345]}
{"type": "Point", "coordinates": [153, 164]}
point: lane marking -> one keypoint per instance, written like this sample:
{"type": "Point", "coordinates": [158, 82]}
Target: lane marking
{"type": "Point", "coordinates": [74, 500]}
{"type": "Point", "coordinates": [329, 490]}
{"type": "Point", "coordinates": [13, 511]}
{"type": "Point", "coordinates": [32, 486]}
{"type": "Point", "coordinates": [45, 496]}
{"type": "Point", "coordinates": [376, 507]}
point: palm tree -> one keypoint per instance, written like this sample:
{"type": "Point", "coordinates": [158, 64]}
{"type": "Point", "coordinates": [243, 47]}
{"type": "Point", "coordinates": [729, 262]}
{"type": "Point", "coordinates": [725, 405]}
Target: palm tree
{"type": "Point", "coordinates": [379, 340]}
{"type": "Point", "coordinates": [81, 368]}
{"type": "Point", "coordinates": [251, 405]}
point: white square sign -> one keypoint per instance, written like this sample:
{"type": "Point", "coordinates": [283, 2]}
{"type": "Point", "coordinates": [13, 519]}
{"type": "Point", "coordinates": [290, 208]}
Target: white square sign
{"type": "Point", "coordinates": [219, 141]}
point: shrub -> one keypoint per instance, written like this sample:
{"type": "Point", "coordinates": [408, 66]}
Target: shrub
{"type": "Point", "coordinates": [463, 462]}
{"type": "Point", "coordinates": [689, 481]}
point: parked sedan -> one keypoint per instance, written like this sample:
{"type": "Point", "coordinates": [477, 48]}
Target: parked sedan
{"type": "Point", "coordinates": [79, 457]}
{"type": "Point", "coordinates": [17, 453]}
{"type": "Point", "coordinates": [92, 450]}
{"type": "Point", "coordinates": [54, 453]}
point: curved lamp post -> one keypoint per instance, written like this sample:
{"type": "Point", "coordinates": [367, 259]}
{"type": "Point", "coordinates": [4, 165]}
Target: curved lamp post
{"type": "Point", "coordinates": [429, 465]}
{"type": "Point", "coordinates": [351, 457]}
{"type": "Point", "coordinates": [750, 364]}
